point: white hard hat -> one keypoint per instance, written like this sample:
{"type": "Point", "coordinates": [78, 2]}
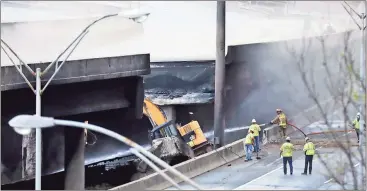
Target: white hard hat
{"type": "Point", "coordinates": [288, 139]}
{"type": "Point", "coordinates": [253, 121]}
{"type": "Point", "coordinates": [358, 114]}
{"type": "Point", "coordinates": [306, 139]}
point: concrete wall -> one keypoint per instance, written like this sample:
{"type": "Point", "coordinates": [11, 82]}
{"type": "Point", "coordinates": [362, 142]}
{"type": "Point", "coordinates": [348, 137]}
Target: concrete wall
{"type": "Point", "coordinates": [262, 77]}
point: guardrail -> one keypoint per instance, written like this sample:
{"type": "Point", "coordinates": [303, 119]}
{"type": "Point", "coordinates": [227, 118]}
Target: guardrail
{"type": "Point", "coordinates": [190, 168]}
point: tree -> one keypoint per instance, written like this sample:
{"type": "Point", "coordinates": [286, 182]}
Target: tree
{"type": "Point", "coordinates": [327, 67]}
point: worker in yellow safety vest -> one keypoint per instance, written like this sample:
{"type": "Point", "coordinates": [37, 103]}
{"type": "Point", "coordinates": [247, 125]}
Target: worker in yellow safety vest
{"type": "Point", "coordinates": [356, 124]}
{"type": "Point", "coordinates": [281, 120]}
{"type": "Point", "coordinates": [254, 127]}
{"type": "Point", "coordinates": [309, 150]}
{"type": "Point", "coordinates": [249, 141]}
{"type": "Point", "coordinates": [286, 151]}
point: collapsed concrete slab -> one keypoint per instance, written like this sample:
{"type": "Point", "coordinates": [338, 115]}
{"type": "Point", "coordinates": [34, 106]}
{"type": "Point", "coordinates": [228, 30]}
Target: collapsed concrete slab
{"type": "Point", "coordinates": [167, 149]}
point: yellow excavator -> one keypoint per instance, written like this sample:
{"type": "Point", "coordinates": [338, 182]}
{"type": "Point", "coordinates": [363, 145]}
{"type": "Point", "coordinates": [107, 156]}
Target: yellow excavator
{"type": "Point", "coordinates": [190, 133]}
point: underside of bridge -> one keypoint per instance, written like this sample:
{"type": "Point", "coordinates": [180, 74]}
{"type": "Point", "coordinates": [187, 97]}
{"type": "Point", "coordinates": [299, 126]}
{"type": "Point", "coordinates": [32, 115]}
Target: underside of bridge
{"type": "Point", "coordinates": [259, 78]}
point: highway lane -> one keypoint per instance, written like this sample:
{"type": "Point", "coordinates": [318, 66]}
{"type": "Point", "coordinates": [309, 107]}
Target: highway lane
{"type": "Point", "coordinates": [267, 173]}
{"type": "Point", "coordinates": [229, 177]}
{"type": "Point", "coordinates": [276, 180]}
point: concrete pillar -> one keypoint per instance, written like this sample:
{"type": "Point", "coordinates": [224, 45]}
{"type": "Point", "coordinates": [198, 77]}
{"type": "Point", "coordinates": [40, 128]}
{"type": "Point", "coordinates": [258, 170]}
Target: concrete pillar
{"type": "Point", "coordinates": [170, 112]}
{"type": "Point", "coordinates": [219, 75]}
{"type": "Point", "coordinates": [74, 178]}
{"type": "Point", "coordinates": [28, 155]}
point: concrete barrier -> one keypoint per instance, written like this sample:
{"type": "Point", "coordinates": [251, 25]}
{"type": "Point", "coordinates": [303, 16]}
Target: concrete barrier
{"type": "Point", "coordinates": [190, 168]}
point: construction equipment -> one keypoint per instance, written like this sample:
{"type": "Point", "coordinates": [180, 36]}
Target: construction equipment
{"type": "Point", "coordinates": [190, 133]}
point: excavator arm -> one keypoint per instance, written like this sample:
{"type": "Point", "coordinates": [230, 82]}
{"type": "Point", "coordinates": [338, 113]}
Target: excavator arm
{"type": "Point", "coordinates": [154, 113]}
{"type": "Point", "coordinates": [161, 126]}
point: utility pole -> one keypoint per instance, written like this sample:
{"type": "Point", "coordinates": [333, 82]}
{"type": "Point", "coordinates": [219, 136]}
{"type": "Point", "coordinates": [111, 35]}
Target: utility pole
{"type": "Point", "coordinates": [362, 78]}
{"type": "Point", "coordinates": [219, 75]}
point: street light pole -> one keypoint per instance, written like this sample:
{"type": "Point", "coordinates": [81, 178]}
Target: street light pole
{"type": "Point", "coordinates": [38, 173]}
{"type": "Point", "coordinates": [219, 75]}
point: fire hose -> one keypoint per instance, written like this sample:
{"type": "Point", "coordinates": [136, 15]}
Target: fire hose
{"type": "Point", "coordinates": [297, 128]}
{"type": "Point", "coordinates": [321, 132]}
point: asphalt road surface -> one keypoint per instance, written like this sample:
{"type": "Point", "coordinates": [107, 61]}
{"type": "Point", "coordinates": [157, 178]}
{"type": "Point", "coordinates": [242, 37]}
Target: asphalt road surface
{"type": "Point", "coordinates": [267, 173]}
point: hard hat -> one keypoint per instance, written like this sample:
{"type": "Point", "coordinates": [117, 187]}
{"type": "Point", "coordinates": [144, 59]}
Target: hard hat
{"type": "Point", "coordinates": [253, 121]}
{"type": "Point", "coordinates": [306, 139]}
{"type": "Point", "coordinates": [278, 110]}
{"type": "Point", "coordinates": [358, 114]}
{"type": "Point", "coordinates": [288, 139]}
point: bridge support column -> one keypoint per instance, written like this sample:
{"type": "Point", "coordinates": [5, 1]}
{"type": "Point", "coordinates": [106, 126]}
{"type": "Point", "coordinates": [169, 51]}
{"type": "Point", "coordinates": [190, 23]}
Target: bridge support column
{"type": "Point", "coordinates": [74, 178]}
{"type": "Point", "coordinates": [170, 112]}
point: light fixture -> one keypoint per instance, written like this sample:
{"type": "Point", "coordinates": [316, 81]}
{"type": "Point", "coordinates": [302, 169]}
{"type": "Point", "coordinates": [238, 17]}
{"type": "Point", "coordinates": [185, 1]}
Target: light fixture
{"type": "Point", "coordinates": [140, 19]}
{"type": "Point", "coordinates": [23, 124]}
{"type": "Point", "coordinates": [137, 15]}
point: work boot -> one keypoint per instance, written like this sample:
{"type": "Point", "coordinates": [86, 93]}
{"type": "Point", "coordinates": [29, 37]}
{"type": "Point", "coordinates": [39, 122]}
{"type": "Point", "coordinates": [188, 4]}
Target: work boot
{"type": "Point", "coordinates": [304, 173]}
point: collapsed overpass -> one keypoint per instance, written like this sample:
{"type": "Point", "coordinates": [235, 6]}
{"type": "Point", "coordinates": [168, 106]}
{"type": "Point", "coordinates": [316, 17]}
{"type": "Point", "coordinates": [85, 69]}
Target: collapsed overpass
{"type": "Point", "coordinates": [260, 78]}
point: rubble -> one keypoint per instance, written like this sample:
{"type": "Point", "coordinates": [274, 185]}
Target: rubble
{"type": "Point", "coordinates": [166, 149]}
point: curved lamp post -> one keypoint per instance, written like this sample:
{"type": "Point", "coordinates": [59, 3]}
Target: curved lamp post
{"type": "Point", "coordinates": [23, 124]}
{"type": "Point", "coordinates": [137, 17]}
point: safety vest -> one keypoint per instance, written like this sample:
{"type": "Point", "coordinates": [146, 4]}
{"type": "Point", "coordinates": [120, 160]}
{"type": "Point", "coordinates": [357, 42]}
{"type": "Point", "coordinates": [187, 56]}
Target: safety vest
{"type": "Point", "coordinates": [255, 128]}
{"type": "Point", "coordinates": [356, 123]}
{"type": "Point", "coordinates": [287, 149]}
{"type": "Point", "coordinates": [309, 148]}
{"type": "Point", "coordinates": [248, 139]}
{"type": "Point", "coordinates": [282, 120]}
